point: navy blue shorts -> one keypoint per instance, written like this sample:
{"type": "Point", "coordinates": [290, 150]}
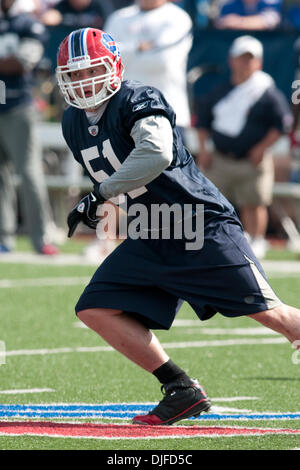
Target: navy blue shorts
{"type": "Point", "coordinates": [150, 279]}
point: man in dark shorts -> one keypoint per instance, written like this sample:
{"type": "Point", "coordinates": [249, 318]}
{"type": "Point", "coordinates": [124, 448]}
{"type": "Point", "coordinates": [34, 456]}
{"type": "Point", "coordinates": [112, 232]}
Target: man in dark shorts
{"type": "Point", "coordinates": [124, 135]}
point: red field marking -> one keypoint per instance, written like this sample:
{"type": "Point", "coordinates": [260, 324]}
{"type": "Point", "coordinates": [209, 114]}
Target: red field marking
{"type": "Point", "coordinates": [121, 431]}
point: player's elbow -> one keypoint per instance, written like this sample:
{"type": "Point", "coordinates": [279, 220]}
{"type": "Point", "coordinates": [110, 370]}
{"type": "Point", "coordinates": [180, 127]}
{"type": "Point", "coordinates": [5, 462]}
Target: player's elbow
{"type": "Point", "coordinates": [166, 158]}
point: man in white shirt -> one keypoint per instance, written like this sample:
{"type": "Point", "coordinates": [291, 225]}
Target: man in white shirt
{"type": "Point", "coordinates": [154, 37]}
{"type": "Point", "coordinates": [244, 117]}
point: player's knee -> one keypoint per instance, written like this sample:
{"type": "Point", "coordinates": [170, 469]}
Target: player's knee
{"type": "Point", "coordinates": [91, 315]}
{"type": "Point", "coordinates": [275, 316]}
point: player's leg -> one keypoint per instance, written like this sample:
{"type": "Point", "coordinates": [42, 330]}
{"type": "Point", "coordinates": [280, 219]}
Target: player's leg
{"type": "Point", "coordinates": [184, 397]}
{"type": "Point", "coordinates": [284, 319]}
{"type": "Point", "coordinates": [128, 336]}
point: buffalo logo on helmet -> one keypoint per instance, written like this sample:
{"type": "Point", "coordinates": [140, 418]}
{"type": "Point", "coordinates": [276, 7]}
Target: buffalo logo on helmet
{"type": "Point", "coordinates": [110, 44]}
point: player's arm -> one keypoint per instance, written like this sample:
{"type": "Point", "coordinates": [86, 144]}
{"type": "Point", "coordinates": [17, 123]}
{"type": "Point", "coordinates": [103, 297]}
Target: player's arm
{"type": "Point", "coordinates": [152, 154]}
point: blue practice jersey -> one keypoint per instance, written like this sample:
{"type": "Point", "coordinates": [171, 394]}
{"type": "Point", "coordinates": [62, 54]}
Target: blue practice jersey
{"type": "Point", "coordinates": [102, 152]}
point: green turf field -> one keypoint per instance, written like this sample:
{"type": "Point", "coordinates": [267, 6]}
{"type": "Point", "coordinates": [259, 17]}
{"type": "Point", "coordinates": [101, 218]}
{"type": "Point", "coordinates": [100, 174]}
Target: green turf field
{"type": "Point", "coordinates": [50, 359]}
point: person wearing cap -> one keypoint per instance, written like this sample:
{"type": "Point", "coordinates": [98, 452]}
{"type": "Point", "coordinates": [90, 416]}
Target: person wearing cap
{"type": "Point", "coordinates": [243, 118]}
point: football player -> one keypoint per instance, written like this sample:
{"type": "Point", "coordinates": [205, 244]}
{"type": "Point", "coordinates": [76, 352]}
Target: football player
{"type": "Point", "coordinates": [124, 135]}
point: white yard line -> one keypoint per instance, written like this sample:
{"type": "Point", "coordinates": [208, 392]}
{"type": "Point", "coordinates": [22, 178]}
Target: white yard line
{"type": "Point", "coordinates": [57, 260]}
{"type": "Point", "coordinates": [43, 282]}
{"type": "Point", "coordinates": [180, 345]}
{"type": "Point", "coordinates": [274, 269]}
{"type": "Point", "coordinates": [260, 331]}
{"type": "Point", "coordinates": [225, 342]}
{"type": "Point", "coordinates": [277, 267]}
{"type": "Point", "coordinates": [26, 390]}
{"type": "Point", "coordinates": [198, 328]}
{"type": "Point", "coordinates": [286, 267]}
{"type": "Point", "coordinates": [230, 399]}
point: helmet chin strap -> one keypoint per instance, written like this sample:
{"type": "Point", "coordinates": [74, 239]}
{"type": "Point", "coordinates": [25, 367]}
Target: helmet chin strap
{"type": "Point", "coordinates": [93, 101]}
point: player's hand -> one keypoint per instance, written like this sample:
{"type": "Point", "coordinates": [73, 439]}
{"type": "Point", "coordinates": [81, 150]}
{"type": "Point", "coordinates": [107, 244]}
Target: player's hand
{"type": "Point", "coordinates": [85, 211]}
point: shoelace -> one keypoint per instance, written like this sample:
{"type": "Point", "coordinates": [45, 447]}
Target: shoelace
{"type": "Point", "coordinates": [173, 388]}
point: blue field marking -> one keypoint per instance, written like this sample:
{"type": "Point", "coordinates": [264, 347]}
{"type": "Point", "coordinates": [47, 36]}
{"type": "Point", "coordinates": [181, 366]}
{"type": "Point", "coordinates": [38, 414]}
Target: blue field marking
{"type": "Point", "coordinates": [119, 411]}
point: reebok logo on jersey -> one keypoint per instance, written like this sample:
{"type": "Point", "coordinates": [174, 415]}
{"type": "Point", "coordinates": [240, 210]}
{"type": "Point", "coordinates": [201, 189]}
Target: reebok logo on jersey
{"type": "Point", "coordinates": [140, 106]}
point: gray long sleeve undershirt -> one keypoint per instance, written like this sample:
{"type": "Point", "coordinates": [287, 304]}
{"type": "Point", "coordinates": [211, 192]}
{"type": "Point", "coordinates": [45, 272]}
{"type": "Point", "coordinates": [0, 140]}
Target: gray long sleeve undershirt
{"type": "Point", "coordinates": [153, 153]}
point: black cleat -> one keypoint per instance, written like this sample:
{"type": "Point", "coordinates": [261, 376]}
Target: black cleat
{"type": "Point", "coordinates": [182, 400]}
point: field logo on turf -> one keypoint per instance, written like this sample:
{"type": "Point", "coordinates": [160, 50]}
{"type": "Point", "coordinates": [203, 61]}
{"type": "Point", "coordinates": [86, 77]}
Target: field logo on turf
{"type": "Point", "coordinates": [2, 92]}
{"type": "Point", "coordinates": [296, 354]}
{"type": "Point", "coordinates": [2, 353]}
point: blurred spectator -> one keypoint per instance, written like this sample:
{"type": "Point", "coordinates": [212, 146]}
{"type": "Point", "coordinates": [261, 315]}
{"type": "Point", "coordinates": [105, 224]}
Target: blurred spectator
{"type": "Point", "coordinates": [44, 5]}
{"type": "Point", "coordinates": [295, 104]}
{"type": "Point", "coordinates": [121, 3]}
{"type": "Point", "coordinates": [244, 118]}
{"type": "Point", "coordinates": [294, 134]}
{"type": "Point", "coordinates": [76, 14]}
{"type": "Point", "coordinates": [155, 38]}
{"type": "Point", "coordinates": [21, 47]}
{"type": "Point", "coordinates": [293, 16]}
{"type": "Point", "coordinates": [25, 6]}
{"type": "Point", "coordinates": [199, 11]}
{"type": "Point", "coordinates": [250, 15]}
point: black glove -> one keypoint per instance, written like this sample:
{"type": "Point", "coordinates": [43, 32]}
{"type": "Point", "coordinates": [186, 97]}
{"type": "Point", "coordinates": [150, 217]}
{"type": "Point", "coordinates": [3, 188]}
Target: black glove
{"type": "Point", "coordinates": [85, 211]}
